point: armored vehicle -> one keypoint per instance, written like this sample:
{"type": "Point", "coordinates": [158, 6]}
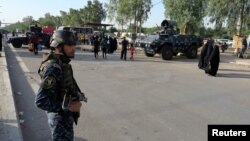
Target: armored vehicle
{"type": "Point", "coordinates": [17, 42]}
{"type": "Point", "coordinates": [170, 43]}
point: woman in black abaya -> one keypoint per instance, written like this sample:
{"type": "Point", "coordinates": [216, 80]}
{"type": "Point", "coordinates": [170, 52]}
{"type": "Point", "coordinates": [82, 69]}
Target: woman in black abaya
{"type": "Point", "coordinates": [210, 58]}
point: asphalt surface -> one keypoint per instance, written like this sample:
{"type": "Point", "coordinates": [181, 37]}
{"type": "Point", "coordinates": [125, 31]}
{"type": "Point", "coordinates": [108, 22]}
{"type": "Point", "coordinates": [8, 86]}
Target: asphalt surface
{"type": "Point", "coordinates": [144, 100]}
{"type": "Point", "coordinates": [9, 124]}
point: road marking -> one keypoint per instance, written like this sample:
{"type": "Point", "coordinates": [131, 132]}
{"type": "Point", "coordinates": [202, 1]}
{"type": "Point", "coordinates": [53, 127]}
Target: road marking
{"type": "Point", "coordinates": [19, 59]}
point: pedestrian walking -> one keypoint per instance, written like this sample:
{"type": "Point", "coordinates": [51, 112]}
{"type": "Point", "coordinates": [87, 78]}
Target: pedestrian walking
{"type": "Point", "coordinates": [104, 46]}
{"type": "Point", "coordinates": [244, 47]}
{"type": "Point", "coordinates": [115, 44]}
{"type": "Point", "coordinates": [210, 58]}
{"type": "Point", "coordinates": [59, 94]}
{"type": "Point", "coordinates": [124, 49]}
{"type": "Point", "coordinates": [96, 45]}
{"type": "Point", "coordinates": [34, 40]}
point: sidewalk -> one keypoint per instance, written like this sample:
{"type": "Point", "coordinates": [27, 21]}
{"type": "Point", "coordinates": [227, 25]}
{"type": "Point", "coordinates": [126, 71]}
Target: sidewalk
{"type": "Point", "coordinates": [245, 61]}
{"type": "Point", "coordinates": [9, 123]}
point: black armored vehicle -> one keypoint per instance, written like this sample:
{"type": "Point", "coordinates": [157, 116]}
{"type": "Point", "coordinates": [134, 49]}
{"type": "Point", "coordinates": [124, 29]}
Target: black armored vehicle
{"type": "Point", "coordinates": [17, 42]}
{"type": "Point", "coordinates": [170, 43]}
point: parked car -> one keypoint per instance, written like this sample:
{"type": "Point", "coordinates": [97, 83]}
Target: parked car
{"type": "Point", "coordinates": [224, 44]}
{"type": "Point", "coordinates": [227, 41]}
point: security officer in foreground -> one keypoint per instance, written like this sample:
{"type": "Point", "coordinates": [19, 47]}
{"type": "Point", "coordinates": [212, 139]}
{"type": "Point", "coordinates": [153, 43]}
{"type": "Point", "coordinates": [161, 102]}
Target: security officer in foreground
{"type": "Point", "coordinates": [59, 94]}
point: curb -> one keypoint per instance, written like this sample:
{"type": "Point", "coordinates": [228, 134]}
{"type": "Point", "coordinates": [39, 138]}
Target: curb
{"type": "Point", "coordinates": [10, 114]}
{"type": "Point", "coordinates": [242, 63]}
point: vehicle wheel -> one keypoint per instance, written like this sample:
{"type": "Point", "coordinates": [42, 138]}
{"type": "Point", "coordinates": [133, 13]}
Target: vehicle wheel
{"type": "Point", "coordinates": [167, 53]}
{"type": "Point", "coordinates": [17, 44]}
{"type": "Point", "coordinates": [147, 54]}
{"type": "Point", "coordinates": [192, 53]}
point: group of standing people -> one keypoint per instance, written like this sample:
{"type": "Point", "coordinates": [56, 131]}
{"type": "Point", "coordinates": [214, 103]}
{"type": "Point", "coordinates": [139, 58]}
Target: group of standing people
{"type": "Point", "coordinates": [109, 45]}
{"type": "Point", "coordinates": [86, 39]}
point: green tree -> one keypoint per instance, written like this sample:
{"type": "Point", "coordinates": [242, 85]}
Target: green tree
{"type": "Point", "coordinates": [49, 20]}
{"type": "Point", "coordinates": [118, 11]}
{"type": "Point", "coordinates": [65, 18]}
{"type": "Point", "coordinates": [235, 14]}
{"type": "Point", "coordinates": [19, 25]}
{"type": "Point", "coordinates": [112, 30]}
{"type": "Point", "coordinates": [72, 18]}
{"type": "Point", "coordinates": [149, 30]}
{"type": "Point", "coordinates": [27, 21]}
{"type": "Point", "coordinates": [143, 8]}
{"type": "Point", "coordinates": [188, 13]}
{"type": "Point", "coordinates": [128, 11]}
{"type": "Point", "coordinates": [94, 12]}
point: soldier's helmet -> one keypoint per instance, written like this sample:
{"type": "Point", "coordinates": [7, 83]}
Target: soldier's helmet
{"type": "Point", "coordinates": [61, 37]}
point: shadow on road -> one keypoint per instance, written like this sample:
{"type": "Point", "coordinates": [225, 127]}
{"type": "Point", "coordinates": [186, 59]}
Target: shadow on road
{"type": "Point", "coordinates": [234, 75]}
{"type": "Point", "coordinates": [7, 131]}
{"type": "Point", "coordinates": [35, 125]}
{"type": "Point", "coordinates": [234, 70]}
{"type": "Point", "coordinates": [80, 139]}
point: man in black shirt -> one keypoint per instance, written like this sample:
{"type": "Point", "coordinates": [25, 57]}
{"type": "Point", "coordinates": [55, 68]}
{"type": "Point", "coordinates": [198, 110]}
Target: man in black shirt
{"type": "Point", "coordinates": [124, 49]}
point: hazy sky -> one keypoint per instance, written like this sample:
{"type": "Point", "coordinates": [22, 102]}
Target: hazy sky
{"type": "Point", "coordinates": [14, 10]}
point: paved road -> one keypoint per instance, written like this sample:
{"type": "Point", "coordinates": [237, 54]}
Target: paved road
{"type": "Point", "coordinates": [145, 100]}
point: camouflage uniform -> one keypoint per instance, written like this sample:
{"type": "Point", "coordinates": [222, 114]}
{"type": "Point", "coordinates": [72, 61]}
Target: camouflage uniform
{"type": "Point", "coordinates": [50, 99]}
{"type": "Point", "coordinates": [59, 88]}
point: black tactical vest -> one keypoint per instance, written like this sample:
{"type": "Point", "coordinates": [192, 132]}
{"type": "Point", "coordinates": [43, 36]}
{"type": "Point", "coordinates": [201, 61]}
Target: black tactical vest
{"type": "Point", "coordinates": [68, 83]}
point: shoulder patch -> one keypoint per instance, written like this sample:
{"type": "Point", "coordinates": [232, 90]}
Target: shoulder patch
{"type": "Point", "coordinates": [49, 82]}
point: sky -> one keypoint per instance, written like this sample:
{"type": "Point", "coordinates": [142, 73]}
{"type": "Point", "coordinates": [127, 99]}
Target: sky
{"type": "Point", "coordinates": [12, 11]}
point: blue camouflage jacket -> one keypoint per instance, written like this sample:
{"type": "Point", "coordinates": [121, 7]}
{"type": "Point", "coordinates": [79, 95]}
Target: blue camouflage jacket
{"type": "Point", "coordinates": [48, 97]}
